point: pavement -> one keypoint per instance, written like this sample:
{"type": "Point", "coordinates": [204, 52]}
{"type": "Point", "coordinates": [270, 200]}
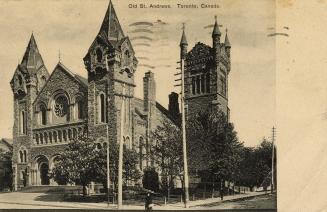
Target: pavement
{"type": "Point", "coordinates": [20, 200]}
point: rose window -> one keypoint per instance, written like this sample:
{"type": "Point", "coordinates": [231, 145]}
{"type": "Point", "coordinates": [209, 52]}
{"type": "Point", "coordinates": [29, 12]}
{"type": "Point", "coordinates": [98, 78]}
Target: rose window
{"type": "Point", "coordinates": [61, 106]}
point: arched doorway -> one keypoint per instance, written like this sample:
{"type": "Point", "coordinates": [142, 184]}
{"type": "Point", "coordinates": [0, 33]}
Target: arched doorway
{"type": "Point", "coordinates": [44, 171]}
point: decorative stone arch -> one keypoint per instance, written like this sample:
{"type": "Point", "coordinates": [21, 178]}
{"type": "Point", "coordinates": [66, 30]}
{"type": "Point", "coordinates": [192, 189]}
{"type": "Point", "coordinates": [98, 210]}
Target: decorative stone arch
{"type": "Point", "coordinates": [79, 103]}
{"type": "Point", "coordinates": [40, 170]}
{"type": "Point", "coordinates": [60, 93]}
{"type": "Point", "coordinates": [22, 155]}
{"type": "Point", "coordinates": [101, 143]}
{"type": "Point", "coordinates": [42, 112]}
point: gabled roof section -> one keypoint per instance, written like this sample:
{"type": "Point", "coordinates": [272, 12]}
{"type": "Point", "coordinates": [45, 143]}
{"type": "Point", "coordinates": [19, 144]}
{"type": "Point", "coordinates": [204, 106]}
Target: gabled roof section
{"type": "Point", "coordinates": [83, 81]}
{"type": "Point", "coordinates": [32, 59]}
{"type": "Point", "coordinates": [139, 109]}
{"type": "Point", "coordinates": [77, 77]}
{"type": "Point", "coordinates": [110, 27]}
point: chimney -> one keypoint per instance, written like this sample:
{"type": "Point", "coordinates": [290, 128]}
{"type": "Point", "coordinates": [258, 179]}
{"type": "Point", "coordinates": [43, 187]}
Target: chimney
{"type": "Point", "coordinates": [149, 90]}
{"type": "Point", "coordinates": [173, 105]}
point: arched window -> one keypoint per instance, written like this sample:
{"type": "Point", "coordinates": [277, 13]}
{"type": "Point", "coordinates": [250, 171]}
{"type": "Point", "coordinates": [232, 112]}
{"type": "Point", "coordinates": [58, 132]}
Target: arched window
{"type": "Point", "coordinates": [25, 156]}
{"type": "Point", "coordinates": [41, 138]}
{"type": "Point", "coordinates": [23, 122]}
{"type": "Point", "coordinates": [98, 146]}
{"type": "Point", "coordinates": [203, 83]}
{"type": "Point", "coordinates": [80, 109]}
{"type": "Point", "coordinates": [193, 85]}
{"type": "Point", "coordinates": [50, 137]}
{"type": "Point", "coordinates": [208, 83]}
{"type": "Point", "coordinates": [99, 55]}
{"type": "Point", "coordinates": [59, 136]}
{"type": "Point", "coordinates": [45, 138]}
{"type": "Point", "coordinates": [70, 136]}
{"type": "Point", "coordinates": [43, 111]}
{"type": "Point", "coordinates": [101, 106]}
{"type": "Point", "coordinates": [198, 84]}
{"type": "Point", "coordinates": [55, 138]}
{"type": "Point", "coordinates": [37, 138]}
{"type": "Point", "coordinates": [65, 135]}
{"type": "Point", "coordinates": [21, 156]}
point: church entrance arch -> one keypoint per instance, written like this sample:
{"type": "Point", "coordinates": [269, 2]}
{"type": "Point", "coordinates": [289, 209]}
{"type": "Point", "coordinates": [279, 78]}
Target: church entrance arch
{"type": "Point", "coordinates": [40, 172]}
{"type": "Point", "coordinates": [44, 173]}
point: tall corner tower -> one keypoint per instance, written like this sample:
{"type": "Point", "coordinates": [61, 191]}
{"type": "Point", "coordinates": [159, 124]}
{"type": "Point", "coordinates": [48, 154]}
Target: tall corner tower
{"type": "Point", "coordinates": [111, 64]}
{"type": "Point", "coordinates": [206, 74]}
{"type": "Point", "coordinates": [29, 78]}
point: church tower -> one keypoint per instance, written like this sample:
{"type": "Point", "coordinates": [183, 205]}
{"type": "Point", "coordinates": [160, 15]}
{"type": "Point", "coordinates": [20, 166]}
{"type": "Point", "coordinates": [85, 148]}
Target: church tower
{"type": "Point", "coordinates": [29, 78]}
{"type": "Point", "coordinates": [111, 64]}
{"type": "Point", "coordinates": [206, 74]}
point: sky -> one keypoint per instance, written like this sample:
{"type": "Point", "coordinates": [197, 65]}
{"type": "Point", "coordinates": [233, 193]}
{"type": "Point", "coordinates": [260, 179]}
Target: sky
{"type": "Point", "coordinates": [70, 26]}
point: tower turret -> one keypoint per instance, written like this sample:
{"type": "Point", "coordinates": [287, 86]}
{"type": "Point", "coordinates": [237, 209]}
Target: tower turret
{"type": "Point", "coordinates": [227, 44]}
{"type": "Point", "coordinates": [216, 34]}
{"type": "Point", "coordinates": [183, 44]}
{"type": "Point", "coordinates": [216, 40]}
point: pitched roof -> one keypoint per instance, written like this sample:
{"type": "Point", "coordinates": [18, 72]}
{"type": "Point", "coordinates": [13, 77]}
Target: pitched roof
{"type": "Point", "coordinates": [77, 77]}
{"type": "Point", "coordinates": [110, 27]}
{"type": "Point", "coordinates": [32, 59]}
{"type": "Point", "coordinates": [139, 108]}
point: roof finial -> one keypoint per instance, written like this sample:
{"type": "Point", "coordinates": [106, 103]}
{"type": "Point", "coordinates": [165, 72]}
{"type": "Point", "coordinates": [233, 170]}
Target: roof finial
{"type": "Point", "coordinates": [216, 27]}
{"type": "Point", "coordinates": [183, 27]}
{"type": "Point", "coordinates": [59, 56]}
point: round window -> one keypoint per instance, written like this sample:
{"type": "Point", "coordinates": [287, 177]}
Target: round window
{"type": "Point", "coordinates": [61, 106]}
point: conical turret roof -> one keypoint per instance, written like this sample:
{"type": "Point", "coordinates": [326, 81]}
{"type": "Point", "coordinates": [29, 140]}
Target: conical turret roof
{"type": "Point", "coordinates": [216, 30]}
{"type": "Point", "coordinates": [110, 27]}
{"type": "Point", "coordinates": [32, 59]}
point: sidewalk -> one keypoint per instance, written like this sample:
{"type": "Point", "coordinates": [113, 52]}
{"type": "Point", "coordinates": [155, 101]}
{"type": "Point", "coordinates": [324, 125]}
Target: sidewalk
{"type": "Point", "coordinates": [30, 201]}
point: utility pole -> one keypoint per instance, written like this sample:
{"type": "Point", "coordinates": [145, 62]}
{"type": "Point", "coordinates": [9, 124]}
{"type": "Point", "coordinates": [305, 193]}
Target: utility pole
{"type": "Point", "coordinates": [108, 163]}
{"type": "Point", "coordinates": [183, 46]}
{"type": "Point", "coordinates": [108, 148]}
{"type": "Point", "coordinates": [121, 143]}
{"type": "Point", "coordinates": [186, 183]}
{"type": "Point", "coordinates": [272, 159]}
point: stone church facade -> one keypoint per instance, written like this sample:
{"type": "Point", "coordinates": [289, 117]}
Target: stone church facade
{"type": "Point", "coordinates": [52, 109]}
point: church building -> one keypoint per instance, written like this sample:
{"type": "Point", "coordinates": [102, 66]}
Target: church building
{"type": "Point", "coordinates": [52, 109]}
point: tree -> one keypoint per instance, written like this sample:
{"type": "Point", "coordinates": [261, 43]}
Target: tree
{"type": "Point", "coordinates": [168, 149]}
{"type": "Point", "coordinates": [83, 161]}
{"type": "Point", "coordinates": [255, 168]}
{"type": "Point", "coordinates": [130, 161]}
{"type": "Point", "coordinates": [77, 163]}
{"type": "Point", "coordinates": [6, 158]}
{"type": "Point", "coordinates": [214, 144]}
